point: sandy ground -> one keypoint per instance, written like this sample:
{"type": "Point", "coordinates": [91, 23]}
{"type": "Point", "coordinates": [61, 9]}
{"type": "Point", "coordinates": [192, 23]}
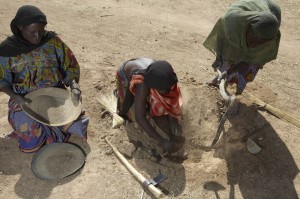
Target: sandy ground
{"type": "Point", "coordinates": [103, 34]}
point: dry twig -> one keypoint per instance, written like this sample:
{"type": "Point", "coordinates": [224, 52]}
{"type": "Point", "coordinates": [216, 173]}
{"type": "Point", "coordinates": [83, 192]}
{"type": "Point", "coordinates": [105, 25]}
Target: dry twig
{"type": "Point", "coordinates": [109, 102]}
{"type": "Point", "coordinates": [275, 111]}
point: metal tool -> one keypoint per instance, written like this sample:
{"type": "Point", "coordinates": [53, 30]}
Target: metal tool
{"type": "Point", "coordinates": [231, 100]}
{"type": "Point", "coordinates": [139, 177]}
{"type": "Point", "coordinates": [155, 181]}
{"type": "Point", "coordinates": [253, 147]}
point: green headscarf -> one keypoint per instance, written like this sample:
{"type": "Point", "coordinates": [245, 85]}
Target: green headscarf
{"type": "Point", "coordinates": [227, 40]}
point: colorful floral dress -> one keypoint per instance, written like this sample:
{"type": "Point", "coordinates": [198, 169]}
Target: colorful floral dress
{"type": "Point", "coordinates": [50, 65]}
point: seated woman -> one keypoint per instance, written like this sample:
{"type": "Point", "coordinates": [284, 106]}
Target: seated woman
{"type": "Point", "coordinates": [148, 88]}
{"type": "Point", "coordinates": [31, 59]}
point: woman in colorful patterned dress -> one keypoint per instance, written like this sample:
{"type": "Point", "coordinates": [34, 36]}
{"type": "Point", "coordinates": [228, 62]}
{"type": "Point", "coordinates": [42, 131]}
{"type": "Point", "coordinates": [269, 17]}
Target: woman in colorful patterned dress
{"type": "Point", "coordinates": [30, 59]}
{"type": "Point", "coordinates": [148, 88]}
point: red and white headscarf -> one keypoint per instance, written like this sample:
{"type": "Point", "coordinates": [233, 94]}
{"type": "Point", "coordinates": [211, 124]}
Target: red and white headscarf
{"type": "Point", "coordinates": [161, 104]}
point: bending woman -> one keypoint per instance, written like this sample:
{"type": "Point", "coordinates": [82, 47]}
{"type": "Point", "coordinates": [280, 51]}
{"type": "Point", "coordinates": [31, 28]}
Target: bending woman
{"type": "Point", "coordinates": [244, 39]}
{"type": "Point", "coordinates": [148, 88]}
{"type": "Point", "coordinates": [33, 58]}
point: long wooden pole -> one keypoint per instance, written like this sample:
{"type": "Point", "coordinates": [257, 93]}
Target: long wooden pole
{"type": "Point", "coordinates": [155, 191]}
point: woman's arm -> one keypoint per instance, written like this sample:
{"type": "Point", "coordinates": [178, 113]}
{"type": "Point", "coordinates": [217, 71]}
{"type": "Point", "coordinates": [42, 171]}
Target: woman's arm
{"type": "Point", "coordinates": [140, 100]}
{"type": "Point", "coordinates": [128, 101]}
{"type": "Point", "coordinates": [9, 91]}
{"type": "Point", "coordinates": [69, 67]}
{"type": "Point", "coordinates": [6, 80]}
{"type": "Point", "coordinates": [68, 63]}
{"type": "Point", "coordinates": [75, 90]}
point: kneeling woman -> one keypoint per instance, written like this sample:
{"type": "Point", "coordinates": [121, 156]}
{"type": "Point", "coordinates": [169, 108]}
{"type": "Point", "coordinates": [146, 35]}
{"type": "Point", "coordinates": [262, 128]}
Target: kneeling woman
{"type": "Point", "coordinates": [33, 58]}
{"type": "Point", "coordinates": [146, 87]}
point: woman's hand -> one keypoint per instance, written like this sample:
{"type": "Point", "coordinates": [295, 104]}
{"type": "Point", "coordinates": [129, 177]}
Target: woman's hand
{"type": "Point", "coordinates": [18, 98]}
{"type": "Point", "coordinates": [169, 146]}
{"type": "Point", "coordinates": [175, 127]}
{"type": "Point", "coordinates": [76, 92]}
{"type": "Point", "coordinates": [217, 63]}
{"type": "Point", "coordinates": [21, 100]}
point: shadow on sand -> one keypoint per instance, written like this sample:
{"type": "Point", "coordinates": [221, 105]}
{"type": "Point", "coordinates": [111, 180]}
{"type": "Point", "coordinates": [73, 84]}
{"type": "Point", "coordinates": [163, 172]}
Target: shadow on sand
{"type": "Point", "coordinates": [15, 162]}
{"type": "Point", "coordinates": [149, 159]}
{"type": "Point", "coordinates": [266, 175]}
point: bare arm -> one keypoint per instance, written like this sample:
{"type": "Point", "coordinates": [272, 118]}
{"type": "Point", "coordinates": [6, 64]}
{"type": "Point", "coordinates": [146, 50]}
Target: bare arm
{"type": "Point", "coordinates": [140, 100]}
{"type": "Point", "coordinates": [128, 101]}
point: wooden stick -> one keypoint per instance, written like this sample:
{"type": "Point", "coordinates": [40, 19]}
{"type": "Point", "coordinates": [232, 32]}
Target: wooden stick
{"type": "Point", "coordinates": [155, 191]}
{"type": "Point", "coordinates": [204, 68]}
{"type": "Point", "coordinates": [275, 111]}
